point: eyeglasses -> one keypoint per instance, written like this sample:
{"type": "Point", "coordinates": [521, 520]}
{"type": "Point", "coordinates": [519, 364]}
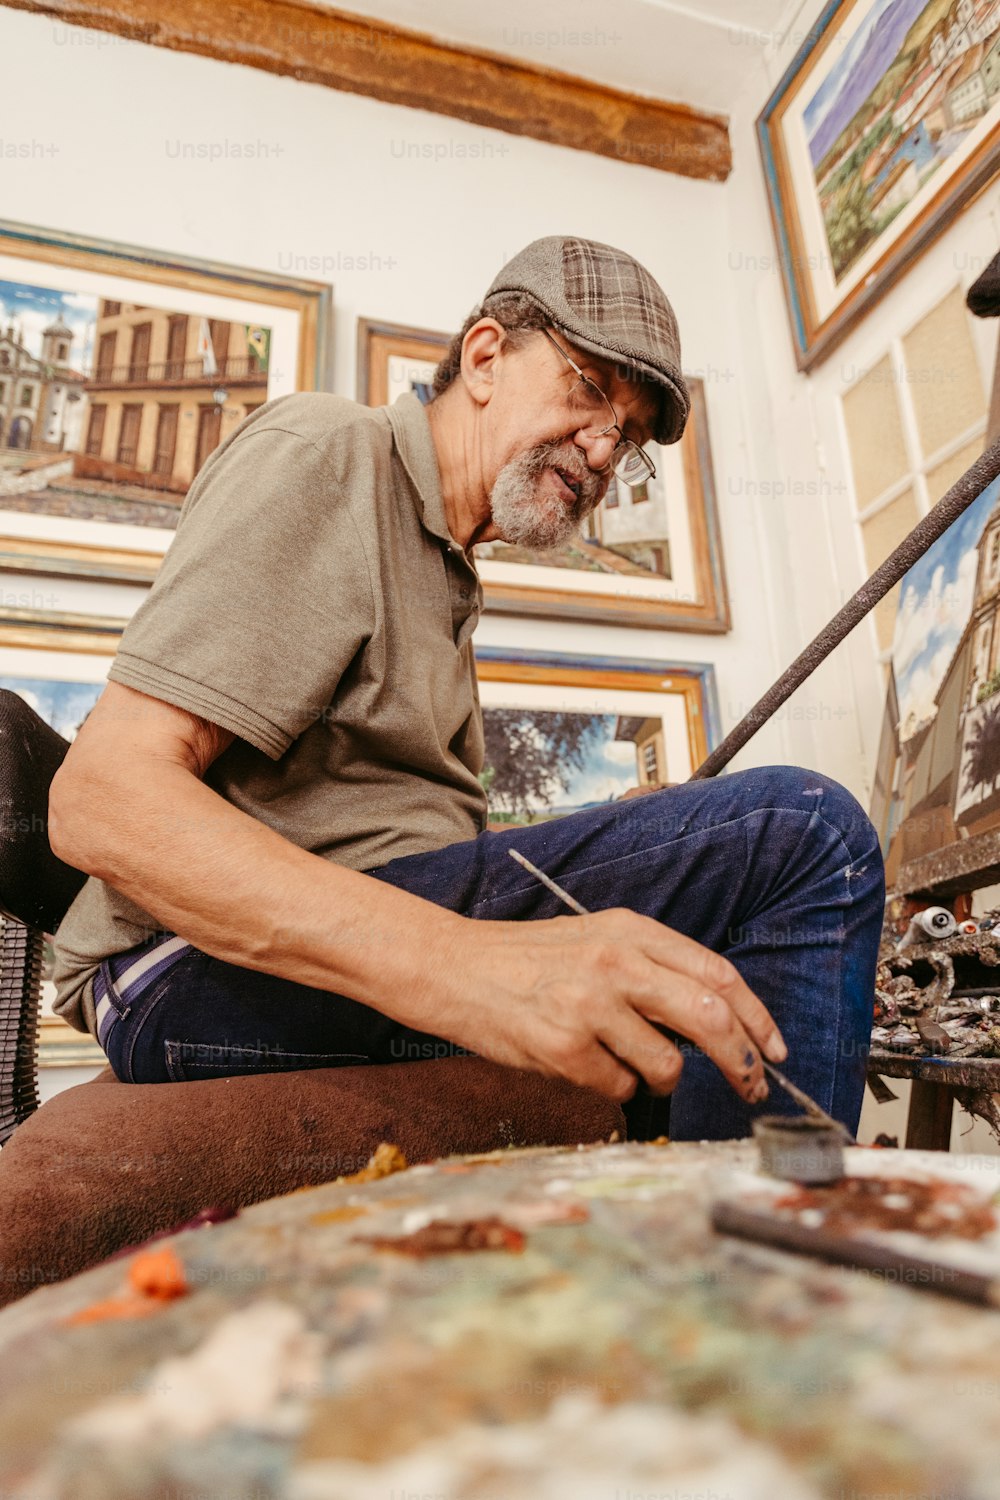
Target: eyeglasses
{"type": "Point", "coordinates": [628, 461]}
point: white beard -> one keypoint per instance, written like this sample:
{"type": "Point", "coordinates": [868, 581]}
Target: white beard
{"type": "Point", "coordinates": [525, 516]}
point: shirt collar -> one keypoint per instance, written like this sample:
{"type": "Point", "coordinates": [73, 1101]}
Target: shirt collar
{"type": "Point", "coordinates": [412, 431]}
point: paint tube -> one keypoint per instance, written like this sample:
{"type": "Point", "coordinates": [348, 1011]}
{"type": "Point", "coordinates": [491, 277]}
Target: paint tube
{"type": "Point", "coordinates": [933, 924]}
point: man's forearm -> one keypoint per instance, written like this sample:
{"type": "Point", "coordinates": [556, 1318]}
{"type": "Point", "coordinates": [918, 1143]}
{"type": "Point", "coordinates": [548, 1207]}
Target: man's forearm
{"type": "Point", "coordinates": [239, 891]}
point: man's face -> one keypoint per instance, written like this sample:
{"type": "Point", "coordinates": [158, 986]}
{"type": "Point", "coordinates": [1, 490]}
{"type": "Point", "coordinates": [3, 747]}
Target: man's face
{"type": "Point", "coordinates": [551, 469]}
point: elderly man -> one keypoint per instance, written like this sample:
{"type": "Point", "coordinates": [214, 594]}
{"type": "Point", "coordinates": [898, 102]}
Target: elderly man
{"type": "Point", "coordinates": [277, 797]}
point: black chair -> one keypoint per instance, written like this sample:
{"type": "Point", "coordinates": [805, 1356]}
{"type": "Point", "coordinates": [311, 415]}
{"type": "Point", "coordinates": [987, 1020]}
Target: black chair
{"type": "Point", "coordinates": [36, 890]}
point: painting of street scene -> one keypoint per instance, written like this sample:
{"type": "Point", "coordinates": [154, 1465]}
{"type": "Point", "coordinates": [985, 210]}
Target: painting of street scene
{"type": "Point", "coordinates": [108, 409]}
{"type": "Point", "coordinates": [914, 80]}
{"type": "Point", "coordinates": [945, 780]}
{"type": "Point", "coordinates": [541, 764]}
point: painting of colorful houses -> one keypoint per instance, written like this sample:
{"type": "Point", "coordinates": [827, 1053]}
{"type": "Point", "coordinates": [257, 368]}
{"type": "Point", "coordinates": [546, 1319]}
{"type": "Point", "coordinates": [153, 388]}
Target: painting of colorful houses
{"type": "Point", "coordinates": [913, 81]}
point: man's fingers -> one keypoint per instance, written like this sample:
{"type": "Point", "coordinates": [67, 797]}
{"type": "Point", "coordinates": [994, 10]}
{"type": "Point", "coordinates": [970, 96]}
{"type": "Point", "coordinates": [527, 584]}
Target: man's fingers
{"type": "Point", "coordinates": [653, 1056]}
{"type": "Point", "coordinates": [674, 951]}
{"type": "Point", "coordinates": [605, 1072]}
{"type": "Point", "coordinates": [575, 1053]}
{"type": "Point", "coordinates": [701, 1015]}
{"type": "Point", "coordinates": [722, 1037]}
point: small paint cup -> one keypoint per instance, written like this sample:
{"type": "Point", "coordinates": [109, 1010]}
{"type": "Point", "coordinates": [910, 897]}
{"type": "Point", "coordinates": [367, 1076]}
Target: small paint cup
{"type": "Point", "coordinates": [797, 1148]}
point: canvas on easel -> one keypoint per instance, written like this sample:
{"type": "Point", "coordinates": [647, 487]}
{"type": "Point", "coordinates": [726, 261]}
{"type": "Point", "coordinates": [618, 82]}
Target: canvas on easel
{"type": "Point", "coordinates": [940, 782]}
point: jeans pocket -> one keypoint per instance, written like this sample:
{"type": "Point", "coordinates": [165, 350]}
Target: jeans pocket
{"type": "Point", "coordinates": [189, 1062]}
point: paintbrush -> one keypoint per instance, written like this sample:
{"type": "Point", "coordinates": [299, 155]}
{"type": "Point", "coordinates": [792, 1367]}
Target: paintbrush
{"type": "Point", "coordinates": [809, 1105]}
{"type": "Point", "coordinates": [799, 1095]}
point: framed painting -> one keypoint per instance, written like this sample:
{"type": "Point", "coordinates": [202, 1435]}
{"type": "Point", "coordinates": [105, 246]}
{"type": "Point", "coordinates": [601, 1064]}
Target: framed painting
{"type": "Point", "coordinates": [65, 588]}
{"type": "Point", "coordinates": [649, 556]}
{"type": "Point", "coordinates": [393, 358]}
{"type": "Point", "coordinates": [122, 368]}
{"type": "Point", "coordinates": [886, 123]}
{"type": "Point", "coordinates": [79, 566]}
{"type": "Point", "coordinates": [938, 781]}
{"type": "Point", "coordinates": [566, 732]}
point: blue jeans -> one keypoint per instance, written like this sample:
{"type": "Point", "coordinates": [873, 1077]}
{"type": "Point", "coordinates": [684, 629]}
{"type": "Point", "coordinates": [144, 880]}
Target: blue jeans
{"type": "Point", "coordinates": [778, 868]}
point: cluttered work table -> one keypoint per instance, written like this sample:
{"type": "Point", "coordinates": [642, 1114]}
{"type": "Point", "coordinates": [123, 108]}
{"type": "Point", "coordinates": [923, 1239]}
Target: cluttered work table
{"type": "Point", "coordinates": [542, 1323]}
{"type": "Point", "coordinates": [937, 1021]}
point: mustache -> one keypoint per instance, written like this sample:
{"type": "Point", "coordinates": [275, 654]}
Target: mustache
{"type": "Point", "coordinates": [566, 456]}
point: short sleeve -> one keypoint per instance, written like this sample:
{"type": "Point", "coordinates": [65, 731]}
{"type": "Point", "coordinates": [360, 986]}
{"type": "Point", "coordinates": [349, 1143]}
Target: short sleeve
{"type": "Point", "coordinates": [263, 598]}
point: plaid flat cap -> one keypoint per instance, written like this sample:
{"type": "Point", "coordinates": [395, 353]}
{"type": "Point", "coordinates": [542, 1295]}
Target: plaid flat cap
{"type": "Point", "coordinates": [608, 304]}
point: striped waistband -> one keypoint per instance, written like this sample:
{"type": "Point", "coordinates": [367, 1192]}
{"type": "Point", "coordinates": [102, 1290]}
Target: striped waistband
{"type": "Point", "coordinates": [131, 973]}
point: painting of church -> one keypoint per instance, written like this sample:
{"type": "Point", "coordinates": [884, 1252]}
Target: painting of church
{"type": "Point", "coordinates": [42, 399]}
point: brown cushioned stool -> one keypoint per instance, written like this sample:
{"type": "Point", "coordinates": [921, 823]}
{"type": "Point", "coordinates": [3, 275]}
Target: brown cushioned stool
{"type": "Point", "coordinates": [106, 1164]}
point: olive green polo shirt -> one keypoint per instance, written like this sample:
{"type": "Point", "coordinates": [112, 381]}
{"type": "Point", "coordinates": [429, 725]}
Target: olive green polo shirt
{"type": "Point", "coordinates": [313, 602]}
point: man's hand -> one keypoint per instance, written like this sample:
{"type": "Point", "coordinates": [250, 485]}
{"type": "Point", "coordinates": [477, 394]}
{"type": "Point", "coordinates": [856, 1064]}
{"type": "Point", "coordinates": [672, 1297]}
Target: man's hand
{"type": "Point", "coordinates": [581, 997]}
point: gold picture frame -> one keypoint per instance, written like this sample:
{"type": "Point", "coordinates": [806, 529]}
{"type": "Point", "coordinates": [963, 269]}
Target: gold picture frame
{"type": "Point", "coordinates": [311, 302]}
{"type": "Point", "coordinates": [123, 368]}
{"type": "Point", "coordinates": [682, 696]}
{"type": "Point", "coordinates": [387, 351]}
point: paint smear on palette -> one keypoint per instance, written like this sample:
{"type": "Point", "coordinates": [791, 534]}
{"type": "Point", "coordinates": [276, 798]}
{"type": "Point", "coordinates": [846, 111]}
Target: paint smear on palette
{"type": "Point", "coordinates": [342, 1215]}
{"type": "Point", "coordinates": [538, 1214]}
{"type": "Point", "coordinates": [530, 1213]}
{"type": "Point", "coordinates": [385, 1160]}
{"type": "Point", "coordinates": [155, 1277]}
{"type": "Point", "coordinates": [442, 1237]}
{"type": "Point", "coordinates": [933, 1209]}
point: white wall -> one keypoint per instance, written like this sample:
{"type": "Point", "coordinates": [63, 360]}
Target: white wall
{"type": "Point", "coordinates": [332, 186]}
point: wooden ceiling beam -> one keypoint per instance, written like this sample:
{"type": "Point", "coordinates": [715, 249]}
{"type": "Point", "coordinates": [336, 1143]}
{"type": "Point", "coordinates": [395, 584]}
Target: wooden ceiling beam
{"type": "Point", "coordinates": [383, 62]}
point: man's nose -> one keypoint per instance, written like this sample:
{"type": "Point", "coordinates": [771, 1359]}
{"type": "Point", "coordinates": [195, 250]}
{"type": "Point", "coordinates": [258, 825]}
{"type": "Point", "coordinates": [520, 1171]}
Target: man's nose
{"type": "Point", "coordinates": [597, 448]}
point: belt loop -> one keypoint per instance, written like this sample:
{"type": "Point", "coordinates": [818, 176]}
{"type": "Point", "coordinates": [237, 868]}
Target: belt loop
{"type": "Point", "coordinates": [117, 1003]}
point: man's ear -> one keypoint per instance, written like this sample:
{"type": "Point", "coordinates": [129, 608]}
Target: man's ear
{"type": "Point", "coordinates": [480, 348]}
